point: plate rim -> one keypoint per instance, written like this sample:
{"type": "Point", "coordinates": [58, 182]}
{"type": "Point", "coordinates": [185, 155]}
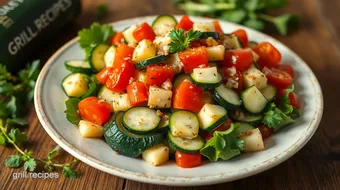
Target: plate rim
{"type": "Point", "coordinates": [170, 180]}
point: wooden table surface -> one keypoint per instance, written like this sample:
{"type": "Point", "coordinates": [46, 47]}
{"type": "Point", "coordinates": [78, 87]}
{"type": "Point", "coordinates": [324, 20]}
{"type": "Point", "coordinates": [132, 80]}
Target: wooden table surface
{"type": "Point", "coordinates": [316, 166]}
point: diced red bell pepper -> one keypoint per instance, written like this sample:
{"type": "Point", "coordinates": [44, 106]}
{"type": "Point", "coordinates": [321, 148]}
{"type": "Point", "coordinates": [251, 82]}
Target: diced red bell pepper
{"type": "Point", "coordinates": [144, 31]}
{"type": "Point", "coordinates": [184, 160]}
{"type": "Point", "coordinates": [242, 59]}
{"type": "Point", "coordinates": [188, 96]}
{"type": "Point", "coordinates": [121, 75]}
{"type": "Point", "coordinates": [94, 110]}
{"type": "Point", "coordinates": [117, 38]}
{"type": "Point", "coordinates": [218, 28]}
{"type": "Point", "coordinates": [104, 74]}
{"type": "Point", "coordinates": [158, 74]}
{"type": "Point", "coordinates": [137, 93]}
{"type": "Point", "coordinates": [185, 23]}
{"type": "Point", "coordinates": [193, 58]}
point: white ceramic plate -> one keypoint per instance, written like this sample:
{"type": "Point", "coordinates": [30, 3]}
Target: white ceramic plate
{"type": "Point", "coordinates": [50, 105]}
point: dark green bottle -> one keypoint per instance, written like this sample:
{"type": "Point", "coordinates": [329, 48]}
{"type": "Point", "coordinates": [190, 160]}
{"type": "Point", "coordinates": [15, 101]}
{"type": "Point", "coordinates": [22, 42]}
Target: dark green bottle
{"type": "Point", "coordinates": [26, 24]}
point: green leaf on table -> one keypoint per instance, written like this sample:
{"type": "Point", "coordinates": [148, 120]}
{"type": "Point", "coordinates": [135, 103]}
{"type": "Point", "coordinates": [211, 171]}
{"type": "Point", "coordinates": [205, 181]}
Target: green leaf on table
{"type": "Point", "coordinates": [53, 153]}
{"type": "Point", "coordinates": [13, 161]}
{"type": "Point", "coordinates": [251, 5]}
{"type": "Point", "coordinates": [5, 88]}
{"type": "Point", "coordinates": [275, 118]}
{"type": "Point", "coordinates": [12, 106]}
{"type": "Point", "coordinates": [4, 112]}
{"type": "Point", "coordinates": [235, 16]}
{"type": "Point", "coordinates": [17, 122]}
{"type": "Point", "coordinates": [96, 34]}
{"type": "Point", "coordinates": [72, 110]}
{"type": "Point", "coordinates": [69, 172]}
{"type": "Point", "coordinates": [17, 136]}
{"type": "Point", "coordinates": [3, 140]}
{"type": "Point", "coordinates": [30, 165]}
{"type": "Point", "coordinates": [255, 24]}
{"type": "Point", "coordinates": [33, 70]}
{"type": "Point", "coordinates": [274, 3]}
{"type": "Point", "coordinates": [223, 145]}
{"type": "Point", "coordinates": [283, 22]}
{"type": "Point", "coordinates": [101, 11]}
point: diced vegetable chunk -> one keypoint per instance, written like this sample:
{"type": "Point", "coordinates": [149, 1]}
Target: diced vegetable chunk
{"type": "Point", "coordinates": [204, 27]}
{"type": "Point", "coordinates": [156, 155]}
{"type": "Point", "coordinates": [121, 102]}
{"type": "Point", "coordinates": [144, 50]}
{"type": "Point", "coordinates": [88, 129]}
{"type": "Point", "coordinates": [216, 53]}
{"type": "Point", "coordinates": [253, 76]}
{"type": "Point", "coordinates": [253, 141]}
{"type": "Point", "coordinates": [159, 98]}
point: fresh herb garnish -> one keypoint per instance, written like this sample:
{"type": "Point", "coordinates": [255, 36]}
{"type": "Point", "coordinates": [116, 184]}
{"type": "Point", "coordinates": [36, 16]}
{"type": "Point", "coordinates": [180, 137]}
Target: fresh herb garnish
{"type": "Point", "coordinates": [251, 13]}
{"type": "Point", "coordinates": [179, 41]}
{"type": "Point", "coordinates": [285, 105]}
{"type": "Point", "coordinates": [275, 118]}
{"type": "Point", "coordinates": [223, 145]}
{"type": "Point", "coordinates": [15, 94]}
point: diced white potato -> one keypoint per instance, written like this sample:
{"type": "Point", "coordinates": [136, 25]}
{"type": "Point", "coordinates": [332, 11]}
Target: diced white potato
{"type": "Point", "coordinates": [253, 141]}
{"type": "Point", "coordinates": [175, 63]}
{"type": "Point", "coordinates": [121, 102]}
{"type": "Point", "coordinates": [144, 50]}
{"type": "Point", "coordinates": [206, 75]}
{"type": "Point", "coordinates": [159, 98]}
{"type": "Point", "coordinates": [156, 155]}
{"type": "Point", "coordinates": [163, 29]}
{"type": "Point", "coordinates": [109, 56]}
{"type": "Point", "coordinates": [75, 85]}
{"type": "Point", "coordinates": [128, 36]}
{"type": "Point", "coordinates": [209, 114]}
{"type": "Point", "coordinates": [253, 76]}
{"type": "Point", "coordinates": [141, 76]}
{"type": "Point", "coordinates": [204, 27]}
{"type": "Point", "coordinates": [216, 53]}
{"type": "Point", "coordinates": [90, 130]}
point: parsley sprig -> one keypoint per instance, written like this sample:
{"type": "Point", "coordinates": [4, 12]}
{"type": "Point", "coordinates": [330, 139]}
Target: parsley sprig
{"type": "Point", "coordinates": [15, 94]}
{"type": "Point", "coordinates": [251, 13]}
{"type": "Point", "coordinates": [180, 41]}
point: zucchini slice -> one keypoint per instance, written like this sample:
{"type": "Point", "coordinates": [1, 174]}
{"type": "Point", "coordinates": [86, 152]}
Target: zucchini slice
{"type": "Point", "coordinates": [253, 100]}
{"type": "Point", "coordinates": [128, 35]}
{"type": "Point", "coordinates": [184, 124]}
{"type": "Point", "coordinates": [206, 77]}
{"type": "Point", "coordinates": [96, 60]}
{"type": "Point", "coordinates": [164, 24]}
{"type": "Point", "coordinates": [75, 84]}
{"type": "Point", "coordinates": [153, 60]}
{"type": "Point", "coordinates": [125, 142]}
{"type": "Point", "coordinates": [244, 128]}
{"type": "Point", "coordinates": [188, 146]}
{"type": "Point", "coordinates": [141, 120]}
{"type": "Point", "coordinates": [227, 97]}
{"type": "Point", "coordinates": [269, 92]}
{"type": "Point", "coordinates": [214, 35]}
{"type": "Point", "coordinates": [243, 116]}
{"type": "Point", "coordinates": [109, 56]}
{"type": "Point", "coordinates": [211, 116]}
{"type": "Point", "coordinates": [78, 66]}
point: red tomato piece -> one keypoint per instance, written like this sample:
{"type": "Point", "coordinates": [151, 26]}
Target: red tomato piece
{"type": "Point", "coordinates": [278, 78]}
{"type": "Point", "coordinates": [121, 75]}
{"type": "Point", "coordinates": [188, 160]}
{"type": "Point", "coordinates": [266, 131]}
{"type": "Point", "coordinates": [242, 59]}
{"type": "Point", "coordinates": [94, 110]}
{"type": "Point", "coordinates": [193, 58]}
{"type": "Point", "coordinates": [188, 96]}
{"type": "Point", "coordinates": [124, 51]}
{"type": "Point", "coordinates": [104, 74]}
{"type": "Point", "coordinates": [269, 55]}
{"type": "Point", "coordinates": [158, 74]}
{"type": "Point", "coordinates": [218, 28]}
{"type": "Point", "coordinates": [242, 35]}
{"type": "Point", "coordinates": [117, 39]}
{"type": "Point", "coordinates": [137, 93]}
{"type": "Point", "coordinates": [285, 67]}
{"type": "Point", "coordinates": [294, 100]}
{"type": "Point", "coordinates": [144, 31]}
{"type": "Point", "coordinates": [185, 23]}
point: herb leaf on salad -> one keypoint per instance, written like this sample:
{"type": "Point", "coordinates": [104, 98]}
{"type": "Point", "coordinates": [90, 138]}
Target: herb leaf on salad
{"type": "Point", "coordinates": [275, 118]}
{"type": "Point", "coordinates": [180, 41]}
{"type": "Point", "coordinates": [285, 105]}
{"type": "Point", "coordinates": [223, 145]}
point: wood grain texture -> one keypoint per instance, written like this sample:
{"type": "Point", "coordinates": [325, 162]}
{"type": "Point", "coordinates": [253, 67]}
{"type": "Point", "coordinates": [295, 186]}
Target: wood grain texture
{"type": "Point", "coordinates": [316, 166]}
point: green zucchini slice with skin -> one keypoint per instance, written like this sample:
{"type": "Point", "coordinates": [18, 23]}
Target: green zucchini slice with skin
{"type": "Point", "coordinates": [214, 35]}
{"type": "Point", "coordinates": [269, 92]}
{"type": "Point", "coordinates": [184, 124]}
{"type": "Point", "coordinates": [96, 60]}
{"type": "Point", "coordinates": [188, 146]}
{"type": "Point", "coordinates": [253, 100]}
{"type": "Point", "coordinates": [227, 97]}
{"type": "Point", "coordinates": [168, 20]}
{"type": "Point", "coordinates": [141, 120]}
{"type": "Point", "coordinates": [75, 84]}
{"type": "Point", "coordinates": [206, 77]}
{"type": "Point", "coordinates": [125, 142]}
{"type": "Point", "coordinates": [212, 116]}
{"type": "Point", "coordinates": [243, 116]}
{"type": "Point", "coordinates": [78, 66]}
{"type": "Point", "coordinates": [154, 60]}
{"type": "Point", "coordinates": [244, 128]}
